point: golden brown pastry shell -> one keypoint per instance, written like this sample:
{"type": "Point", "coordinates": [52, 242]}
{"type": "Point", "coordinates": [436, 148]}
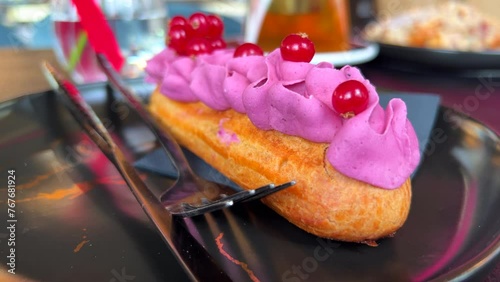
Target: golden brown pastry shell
{"type": "Point", "coordinates": [324, 202]}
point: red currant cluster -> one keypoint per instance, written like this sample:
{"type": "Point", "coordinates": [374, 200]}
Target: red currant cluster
{"type": "Point", "coordinates": [198, 34]}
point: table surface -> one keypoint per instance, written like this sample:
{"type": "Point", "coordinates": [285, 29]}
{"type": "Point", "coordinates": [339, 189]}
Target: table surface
{"type": "Point", "coordinates": [479, 96]}
{"type": "Point", "coordinates": [20, 72]}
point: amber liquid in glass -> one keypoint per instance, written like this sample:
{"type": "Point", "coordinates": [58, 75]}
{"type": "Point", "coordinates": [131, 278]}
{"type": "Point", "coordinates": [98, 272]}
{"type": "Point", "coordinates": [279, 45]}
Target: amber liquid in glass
{"type": "Point", "coordinates": [326, 23]}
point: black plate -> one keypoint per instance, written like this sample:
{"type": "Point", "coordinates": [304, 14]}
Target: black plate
{"type": "Point", "coordinates": [69, 193]}
{"type": "Point", "coordinates": [438, 58]}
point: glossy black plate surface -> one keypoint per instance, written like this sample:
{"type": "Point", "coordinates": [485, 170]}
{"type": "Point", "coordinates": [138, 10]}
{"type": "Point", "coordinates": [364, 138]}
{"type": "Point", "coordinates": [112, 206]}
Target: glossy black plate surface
{"type": "Point", "coordinates": [437, 58]}
{"type": "Point", "coordinates": [79, 222]}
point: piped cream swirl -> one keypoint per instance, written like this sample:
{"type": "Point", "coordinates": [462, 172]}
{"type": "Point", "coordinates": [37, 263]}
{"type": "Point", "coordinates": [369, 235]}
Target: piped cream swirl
{"type": "Point", "coordinates": [296, 99]}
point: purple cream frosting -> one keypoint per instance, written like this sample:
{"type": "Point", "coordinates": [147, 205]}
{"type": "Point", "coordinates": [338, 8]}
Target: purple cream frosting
{"type": "Point", "coordinates": [295, 98]}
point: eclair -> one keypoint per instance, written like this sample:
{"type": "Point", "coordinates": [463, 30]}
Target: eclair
{"type": "Point", "coordinates": [271, 118]}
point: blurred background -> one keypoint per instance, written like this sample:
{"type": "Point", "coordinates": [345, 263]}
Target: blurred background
{"type": "Point", "coordinates": [140, 25]}
{"type": "Point", "coordinates": [27, 23]}
{"type": "Point", "coordinates": [395, 7]}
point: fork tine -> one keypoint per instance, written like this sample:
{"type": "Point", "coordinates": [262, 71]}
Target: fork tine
{"type": "Point", "coordinates": [187, 210]}
{"type": "Point", "coordinates": [263, 192]}
{"type": "Point", "coordinates": [239, 196]}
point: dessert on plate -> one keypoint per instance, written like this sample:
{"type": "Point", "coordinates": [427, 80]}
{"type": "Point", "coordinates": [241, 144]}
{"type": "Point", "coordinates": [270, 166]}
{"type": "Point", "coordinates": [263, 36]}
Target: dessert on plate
{"type": "Point", "coordinates": [450, 25]}
{"type": "Point", "coordinates": [261, 118]}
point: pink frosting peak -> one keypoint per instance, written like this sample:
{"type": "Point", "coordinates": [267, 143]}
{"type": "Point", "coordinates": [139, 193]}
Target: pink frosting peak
{"type": "Point", "coordinates": [360, 148]}
{"type": "Point", "coordinates": [207, 82]}
{"type": "Point", "coordinates": [157, 66]}
{"type": "Point", "coordinates": [176, 80]}
{"type": "Point", "coordinates": [296, 99]}
{"type": "Point", "coordinates": [281, 101]}
{"type": "Point", "coordinates": [241, 72]}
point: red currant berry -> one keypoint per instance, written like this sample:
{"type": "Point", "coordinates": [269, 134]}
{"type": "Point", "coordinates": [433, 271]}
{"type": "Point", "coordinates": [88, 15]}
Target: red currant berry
{"type": "Point", "coordinates": [350, 98]}
{"type": "Point", "coordinates": [198, 46]}
{"type": "Point", "coordinates": [297, 48]}
{"type": "Point", "coordinates": [215, 26]}
{"type": "Point", "coordinates": [177, 20]}
{"type": "Point", "coordinates": [248, 49]}
{"type": "Point", "coordinates": [218, 43]}
{"type": "Point", "coordinates": [199, 24]}
{"type": "Point", "coordinates": [178, 38]}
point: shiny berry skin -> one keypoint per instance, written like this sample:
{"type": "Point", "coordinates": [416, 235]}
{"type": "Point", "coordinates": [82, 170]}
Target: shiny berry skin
{"type": "Point", "coordinates": [297, 48]}
{"type": "Point", "coordinates": [218, 43]}
{"type": "Point", "coordinates": [248, 49]}
{"type": "Point", "coordinates": [199, 24]}
{"type": "Point", "coordinates": [350, 98]}
{"type": "Point", "coordinates": [177, 38]}
{"type": "Point", "coordinates": [197, 46]}
{"type": "Point", "coordinates": [178, 20]}
{"type": "Point", "coordinates": [215, 26]}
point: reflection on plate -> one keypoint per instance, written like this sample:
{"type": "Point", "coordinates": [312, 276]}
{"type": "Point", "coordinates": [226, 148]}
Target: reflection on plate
{"type": "Point", "coordinates": [5, 108]}
{"type": "Point", "coordinates": [442, 58]}
{"type": "Point", "coordinates": [69, 193]}
{"type": "Point", "coordinates": [354, 56]}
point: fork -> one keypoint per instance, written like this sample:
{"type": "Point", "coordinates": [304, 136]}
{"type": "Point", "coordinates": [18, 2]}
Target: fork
{"type": "Point", "coordinates": [181, 242]}
{"type": "Point", "coordinates": [214, 196]}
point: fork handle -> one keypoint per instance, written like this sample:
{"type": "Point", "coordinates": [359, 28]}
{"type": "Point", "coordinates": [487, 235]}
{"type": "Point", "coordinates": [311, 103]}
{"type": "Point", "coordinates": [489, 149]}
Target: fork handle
{"type": "Point", "coordinates": [165, 138]}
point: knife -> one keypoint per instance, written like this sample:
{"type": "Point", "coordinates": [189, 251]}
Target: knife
{"type": "Point", "coordinates": [190, 254]}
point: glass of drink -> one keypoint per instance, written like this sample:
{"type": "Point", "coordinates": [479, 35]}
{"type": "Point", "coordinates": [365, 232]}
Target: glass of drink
{"type": "Point", "coordinates": [139, 26]}
{"type": "Point", "coordinates": [24, 24]}
{"type": "Point", "coordinates": [326, 23]}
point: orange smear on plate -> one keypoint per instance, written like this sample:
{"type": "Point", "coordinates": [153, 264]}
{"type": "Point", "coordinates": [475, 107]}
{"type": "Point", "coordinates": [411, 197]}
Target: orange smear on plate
{"type": "Point", "coordinates": [59, 194]}
{"type": "Point", "coordinates": [40, 178]}
{"type": "Point", "coordinates": [80, 245]}
{"type": "Point", "coordinates": [34, 182]}
{"type": "Point", "coordinates": [233, 260]}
